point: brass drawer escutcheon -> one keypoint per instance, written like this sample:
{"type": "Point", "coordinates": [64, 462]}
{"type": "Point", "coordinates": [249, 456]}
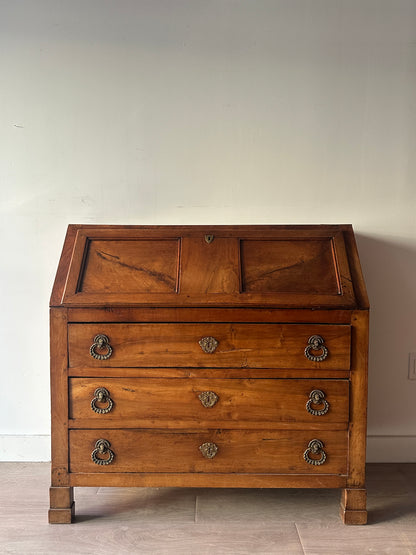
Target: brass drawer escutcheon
{"type": "Point", "coordinates": [101, 395]}
{"type": "Point", "coordinates": [208, 450]}
{"type": "Point", "coordinates": [208, 344]}
{"type": "Point", "coordinates": [208, 398]}
{"type": "Point", "coordinates": [316, 447]}
{"type": "Point", "coordinates": [102, 342]}
{"type": "Point", "coordinates": [316, 343]}
{"type": "Point", "coordinates": [316, 399]}
{"type": "Point", "coordinates": [102, 447]}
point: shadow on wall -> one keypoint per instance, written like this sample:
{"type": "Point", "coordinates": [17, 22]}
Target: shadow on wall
{"type": "Point", "coordinates": [389, 267]}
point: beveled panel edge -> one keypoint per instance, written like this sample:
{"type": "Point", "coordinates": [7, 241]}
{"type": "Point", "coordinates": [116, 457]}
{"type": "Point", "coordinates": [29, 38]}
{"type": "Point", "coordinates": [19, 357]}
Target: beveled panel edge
{"type": "Point", "coordinates": [63, 266]}
{"type": "Point", "coordinates": [61, 294]}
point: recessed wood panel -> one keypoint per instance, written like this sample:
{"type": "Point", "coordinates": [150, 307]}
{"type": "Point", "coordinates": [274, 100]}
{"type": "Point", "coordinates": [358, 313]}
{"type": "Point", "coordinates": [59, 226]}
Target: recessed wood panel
{"type": "Point", "coordinates": [261, 451]}
{"type": "Point", "coordinates": [133, 266]}
{"type": "Point", "coordinates": [239, 345]}
{"type": "Point", "coordinates": [289, 266]}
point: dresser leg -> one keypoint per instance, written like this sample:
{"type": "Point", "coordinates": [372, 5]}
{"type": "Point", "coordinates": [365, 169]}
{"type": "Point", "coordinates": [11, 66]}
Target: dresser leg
{"type": "Point", "coordinates": [62, 505]}
{"type": "Point", "coordinates": [353, 506]}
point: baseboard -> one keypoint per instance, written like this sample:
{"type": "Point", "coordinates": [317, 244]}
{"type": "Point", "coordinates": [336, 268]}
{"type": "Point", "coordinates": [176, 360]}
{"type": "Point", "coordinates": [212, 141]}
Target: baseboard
{"type": "Point", "coordinates": [36, 448]}
{"type": "Point", "coordinates": [389, 449]}
{"type": "Point", "coordinates": [25, 448]}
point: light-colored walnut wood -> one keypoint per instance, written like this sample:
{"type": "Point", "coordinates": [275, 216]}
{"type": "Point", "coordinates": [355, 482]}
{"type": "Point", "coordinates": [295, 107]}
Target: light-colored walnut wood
{"type": "Point", "coordinates": [209, 314]}
{"type": "Point", "coordinates": [239, 373]}
{"type": "Point", "coordinates": [169, 403]}
{"type": "Point", "coordinates": [201, 283]}
{"type": "Point", "coordinates": [142, 266]}
{"type": "Point", "coordinates": [244, 345]}
{"type": "Point", "coordinates": [261, 292]}
{"type": "Point", "coordinates": [353, 506]}
{"type": "Point", "coordinates": [239, 451]}
{"type": "Point", "coordinates": [207, 480]}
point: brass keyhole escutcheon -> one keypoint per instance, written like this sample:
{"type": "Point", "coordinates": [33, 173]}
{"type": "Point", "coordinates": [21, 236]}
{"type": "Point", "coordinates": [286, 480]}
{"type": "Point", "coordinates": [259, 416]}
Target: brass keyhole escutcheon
{"type": "Point", "coordinates": [208, 398]}
{"type": "Point", "coordinates": [209, 238]}
{"type": "Point", "coordinates": [208, 450]}
{"type": "Point", "coordinates": [208, 344]}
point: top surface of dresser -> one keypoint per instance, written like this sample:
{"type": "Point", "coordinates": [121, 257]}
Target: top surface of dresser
{"type": "Point", "coordinates": [314, 266]}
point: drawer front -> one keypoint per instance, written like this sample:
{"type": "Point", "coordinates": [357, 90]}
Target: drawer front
{"type": "Point", "coordinates": [237, 451]}
{"type": "Point", "coordinates": [209, 345]}
{"type": "Point", "coordinates": [192, 402]}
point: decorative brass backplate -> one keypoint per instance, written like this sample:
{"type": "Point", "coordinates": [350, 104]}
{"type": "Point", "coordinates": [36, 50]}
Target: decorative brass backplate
{"type": "Point", "coordinates": [208, 344]}
{"type": "Point", "coordinates": [317, 398]}
{"type": "Point", "coordinates": [102, 447]}
{"type": "Point", "coordinates": [209, 239]}
{"type": "Point", "coordinates": [208, 398]}
{"type": "Point", "coordinates": [315, 447]}
{"type": "Point", "coordinates": [102, 342]}
{"type": "Point", "coordinates": [101, 395]}
{"type": "Point", "coordinates": [316, 343]}
{"type": "Point", "coordinates": [208, 450]}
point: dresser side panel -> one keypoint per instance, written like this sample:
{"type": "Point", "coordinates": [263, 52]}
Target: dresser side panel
{"type": "Point", "coordinates": [358, 399]}
{"type": "Point", "coordinates": [59, 396]}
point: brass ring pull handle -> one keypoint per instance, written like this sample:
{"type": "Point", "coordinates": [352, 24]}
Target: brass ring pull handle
{"type": "Point", "coordinates": [101, 395]}
{"type": "Point", "coordinates": [317, 398]}
{"type": "Point", "coordinates": [208, 398]}
{"type": "Point", "coordinates": [101, 341]}
{"type": "Point", "coordinates": [102, 447]}
{"type": "Point", "coordinates": [316, 343]}
{"type": "Point", "coordinates": [208, 450]}
{"type": "Point", "coordinates": [316, 448]}
{"type": "Point", "coordinates": [208, 344]}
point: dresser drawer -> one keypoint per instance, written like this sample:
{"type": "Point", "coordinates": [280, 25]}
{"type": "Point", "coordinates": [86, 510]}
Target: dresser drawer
{"type": "Point", "coordinates": [215, 345]}
{"type": "Point", "coordinates": [237, 451]}
{"type": "Point", "coordinates": [191, 402]}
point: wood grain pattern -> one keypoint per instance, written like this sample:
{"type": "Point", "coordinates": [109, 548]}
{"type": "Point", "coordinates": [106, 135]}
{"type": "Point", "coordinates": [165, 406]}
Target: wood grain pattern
{"type": "Point", "coordinates": [118, 261]}
{"type": "Point", "coordinates": [209, 314]}
{"type": "Point", "coordinates": [303, 266]}
{"type": "Point", "coordinates": [244, 345]}
{"type": "Point", "coordinates": [140, 266]}
{"type": "Point", "coordinates": [210, 268]}
{"type": "Point", "coordinates": [239, 451]}
{"type": "Point", "coordinates": [261, 292]}
{"type": "Point", "coordinates": [169, 403]}
{"type": "Point", "coordinates": [61, 497]}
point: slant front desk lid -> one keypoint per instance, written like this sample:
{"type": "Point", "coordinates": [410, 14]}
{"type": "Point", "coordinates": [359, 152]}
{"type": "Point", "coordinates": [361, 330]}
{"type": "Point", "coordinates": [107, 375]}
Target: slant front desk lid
{"type": "Point", "coordinates": [266, 266]}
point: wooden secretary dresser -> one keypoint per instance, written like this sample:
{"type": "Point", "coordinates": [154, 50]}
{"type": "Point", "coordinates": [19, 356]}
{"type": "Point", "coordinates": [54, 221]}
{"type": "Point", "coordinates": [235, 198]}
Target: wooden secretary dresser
{"type": "Point", "coordinates": [209, 356]}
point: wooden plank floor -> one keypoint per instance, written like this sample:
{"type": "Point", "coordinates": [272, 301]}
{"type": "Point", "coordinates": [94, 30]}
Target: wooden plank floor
{"type": "Point", "coordinates": [202, 521]}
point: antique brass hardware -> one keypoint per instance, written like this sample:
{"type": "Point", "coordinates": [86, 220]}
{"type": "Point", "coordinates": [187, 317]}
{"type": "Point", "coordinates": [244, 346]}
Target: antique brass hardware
{"type": "Point", "coordinates": [315, 447]}
{"type": "Point", "coordinates": [208, 398]}
{"type": "Point", "coordinates": [208, 344]}
{"type": "Point", "coordinates": [101, 395]}
{"type": "Point", "coordinates": [102, 447]}
{"type": "Point", "coordinates": [317, 398]}
{"type": "Point", "coordinates": [209, 239]}
{"type": "Point", "coordinates": [101, 342]}
{"type": "Point", "coordinates": [208, 450]}
{"type": "Point", "coordinates": [316, 343]}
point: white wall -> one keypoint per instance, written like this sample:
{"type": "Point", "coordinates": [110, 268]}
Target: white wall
{"type": "Point", "coordinates": [196, 111]}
